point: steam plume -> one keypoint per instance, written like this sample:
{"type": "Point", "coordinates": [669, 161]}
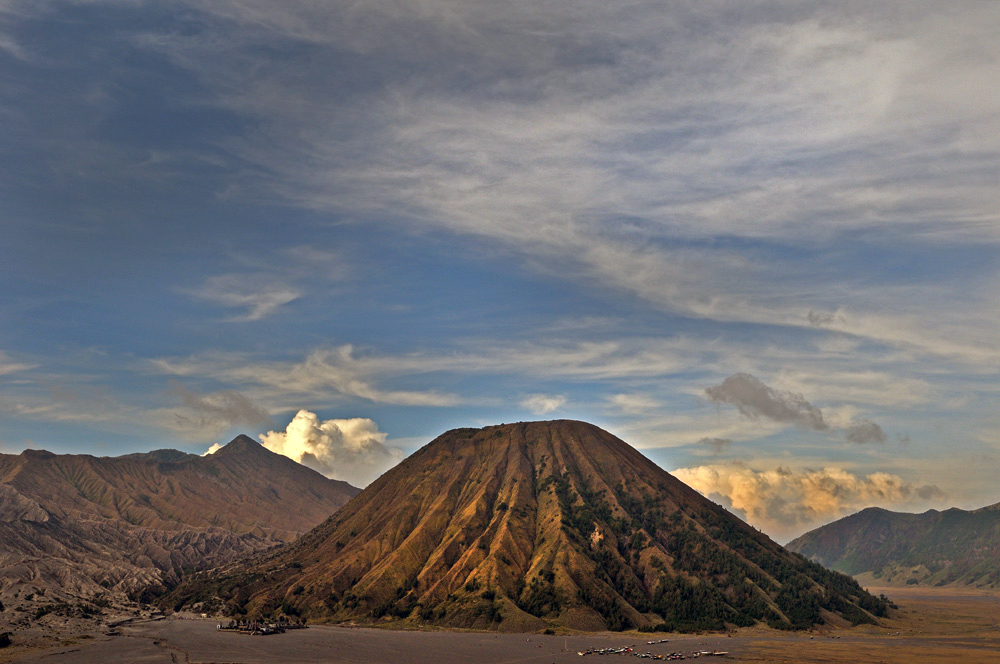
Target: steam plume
{"type": "Point", "coordinates": [352, 450]}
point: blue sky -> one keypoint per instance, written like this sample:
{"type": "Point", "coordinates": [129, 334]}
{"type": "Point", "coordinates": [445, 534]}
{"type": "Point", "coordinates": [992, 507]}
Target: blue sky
{"type": "Point", "coordinates": [760, 244]}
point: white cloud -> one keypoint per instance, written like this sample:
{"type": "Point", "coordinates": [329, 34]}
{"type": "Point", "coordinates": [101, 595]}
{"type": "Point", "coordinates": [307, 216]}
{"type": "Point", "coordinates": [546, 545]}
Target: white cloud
{"type": "Point", "coordinates": [786, 502]}
{"type": "Point", "coordinates": [596, 149]}
{"type": "Point", "coordinates": [634, 403]}
{"type": "Point", "coordinates": [351, 372]}
{"type": "Point", "coordinates": [690, 426]}
{"type": "Point", "coordinates": [240, 291]}
{"type": "Point", "coordinates": [540, 404]}
{"type": "Point", "coordinates": [842, 382]}
{"type": "Point", "coordinates": [339, 371]}
{"type": "Point", "coordinates": [352, 450]}
{"type": "Point", "coordinates": [590, 153]}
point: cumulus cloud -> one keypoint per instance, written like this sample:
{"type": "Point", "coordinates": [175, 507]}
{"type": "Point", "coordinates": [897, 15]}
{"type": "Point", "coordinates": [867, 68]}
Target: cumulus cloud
{"type": "Point", "coordinates": [754, 399]}
{"type": "Point", "coordinates": [786, 502]}
{"type": "Point", "coordinates": [865, 431]}
{"type": "Point", "coordinates": [352, 450]}
{"type": "Point", "coordinates": [540, 404]}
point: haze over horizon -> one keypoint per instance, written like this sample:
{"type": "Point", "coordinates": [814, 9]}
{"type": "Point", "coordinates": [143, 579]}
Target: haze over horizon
{"type": "Point", "coordinates": [758, 243]}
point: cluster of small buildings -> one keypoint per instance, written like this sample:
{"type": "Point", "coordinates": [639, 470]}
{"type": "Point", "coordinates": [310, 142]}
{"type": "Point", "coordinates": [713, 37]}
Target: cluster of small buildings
{"type": "Point", "coordinates": [257, 627]}
{"type": "Point", "coordinates": [631, 650]}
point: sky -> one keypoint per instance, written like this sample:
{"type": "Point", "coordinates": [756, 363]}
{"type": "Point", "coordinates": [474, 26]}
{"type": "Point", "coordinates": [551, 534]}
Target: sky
{"type": "Point", "coordinates": [757, 240]}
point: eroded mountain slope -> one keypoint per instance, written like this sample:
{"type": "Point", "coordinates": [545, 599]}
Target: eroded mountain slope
{"type": "Point", "coordinates": [526, 525]}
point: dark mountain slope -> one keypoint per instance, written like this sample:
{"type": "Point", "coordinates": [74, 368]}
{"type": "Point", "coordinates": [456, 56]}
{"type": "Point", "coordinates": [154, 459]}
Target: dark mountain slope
{"type": "Point", "coordinates": [953, 547]}
{"type": "Point", "coordinates": [526, 525]}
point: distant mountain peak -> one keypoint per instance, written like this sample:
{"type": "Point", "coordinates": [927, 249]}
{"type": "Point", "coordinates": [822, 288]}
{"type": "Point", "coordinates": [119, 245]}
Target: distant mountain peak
{"type": "Point", "coordinates": [37, 454]}
{"type": "Point", "coordinates": [77, 525]}
{"type": "Point", "coordinates": [167, 455]}
{"type": "Point", "coordinates": [242, 444]}
{"type": "Point", "coordinates": [874, 510]}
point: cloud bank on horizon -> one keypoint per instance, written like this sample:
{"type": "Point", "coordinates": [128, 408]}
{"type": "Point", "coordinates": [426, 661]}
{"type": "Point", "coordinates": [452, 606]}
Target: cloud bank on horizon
{"type": "Point", "coordinates": [764, 239]}
{"type": "Point", "coordinates": [783, 501]}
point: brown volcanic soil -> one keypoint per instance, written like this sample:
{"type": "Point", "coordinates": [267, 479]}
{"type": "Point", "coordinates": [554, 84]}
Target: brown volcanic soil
{"type": "Point", "coordinates": [522, 526]}
{"type": "Point", "coordinates": [81, 535]}
{"type": "Point", "coordinates": [931, 626]}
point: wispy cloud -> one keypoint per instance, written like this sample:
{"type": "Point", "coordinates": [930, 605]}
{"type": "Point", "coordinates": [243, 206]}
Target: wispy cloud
{"type": "Point", "coordinates": [718, 445]}
{"type": "Point", "coordinates": [634, 403]}
{"type": "Point", "coordinates": [234, 291]}
{"type": "Point", "coordinates": [9, 11]}
{"type": "Point", "coordinates": [338, 370]}
{"type": "Point", "coordinates": [205, 416]}
{"type": "Point", "coordinates": [845, 378]}
{"type": "Point", "coordinates": [640, 146]}
{"type": "Point", "coordinates": [9, 365]}
{"type": "Point", "coordinates": [266, 281]}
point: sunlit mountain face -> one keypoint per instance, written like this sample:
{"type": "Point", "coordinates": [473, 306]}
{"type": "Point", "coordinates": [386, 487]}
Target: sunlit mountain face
{"type": "Point", "coordinates": [531, 526]}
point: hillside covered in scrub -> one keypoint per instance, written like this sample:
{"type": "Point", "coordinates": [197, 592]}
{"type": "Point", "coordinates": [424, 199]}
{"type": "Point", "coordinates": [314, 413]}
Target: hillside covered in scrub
{"type": "Point", "coordinates": [950, 547]}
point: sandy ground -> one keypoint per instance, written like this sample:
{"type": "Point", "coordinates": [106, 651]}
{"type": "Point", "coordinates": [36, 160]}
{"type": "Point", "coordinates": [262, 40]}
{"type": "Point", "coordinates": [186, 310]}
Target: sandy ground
{"type": "Point", "coordinates": [931, 626]}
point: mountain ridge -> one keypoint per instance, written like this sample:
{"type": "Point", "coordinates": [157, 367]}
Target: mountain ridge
{"type": "Point", "coordinates": [950, 547]}
{"type": "Point", "coordinates": [79, 528]}
{"type": "Point", "coordinates": [527, 526]}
